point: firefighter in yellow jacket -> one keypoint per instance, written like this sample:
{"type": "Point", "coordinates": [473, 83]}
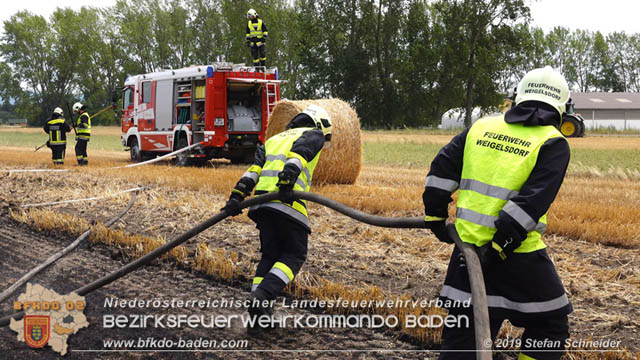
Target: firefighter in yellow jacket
{"type": "Point", "coordinates": [83, 128]}
{"type": "Point", "coordinates": [508, 170]}
{"type": "Point", "coordinates": [57, 130]}
{"type": "Point", "coordinates": [285, 163]}
{"type": "Point", "coordinates": [256, 37]}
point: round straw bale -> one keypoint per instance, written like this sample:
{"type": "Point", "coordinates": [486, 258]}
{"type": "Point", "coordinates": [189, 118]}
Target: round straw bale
{"type": "Point", "coordinates": [341, 162]}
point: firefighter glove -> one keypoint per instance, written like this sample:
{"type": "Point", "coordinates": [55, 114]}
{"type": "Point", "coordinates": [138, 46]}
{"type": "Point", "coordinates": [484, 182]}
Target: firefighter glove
{"type": "Point", "coordinates": [232, 207]}
{"type": "Point", "coordinates": [286, 180]}
{"type": "Point", "coordinates": [504, 242]}
{"type": "Point", "coordinates": [439, 229]}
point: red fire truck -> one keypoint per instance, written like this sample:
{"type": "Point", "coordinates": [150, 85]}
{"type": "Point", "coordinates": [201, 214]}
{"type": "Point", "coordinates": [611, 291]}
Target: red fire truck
{"type": "Point", "coordinates": [226, 106]}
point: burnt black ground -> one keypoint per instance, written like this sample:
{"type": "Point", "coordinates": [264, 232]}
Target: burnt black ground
{"type": "Point", "coordinates": [22, 248]}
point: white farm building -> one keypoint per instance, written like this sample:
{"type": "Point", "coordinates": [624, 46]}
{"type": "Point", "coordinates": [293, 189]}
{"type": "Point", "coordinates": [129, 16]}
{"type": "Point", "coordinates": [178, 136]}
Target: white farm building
{"type": "Point", "coordinates": [602, 109]}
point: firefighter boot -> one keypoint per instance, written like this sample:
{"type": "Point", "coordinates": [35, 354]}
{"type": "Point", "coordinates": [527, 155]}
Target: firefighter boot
{"type": "Point", "coordinates": [260, 311]}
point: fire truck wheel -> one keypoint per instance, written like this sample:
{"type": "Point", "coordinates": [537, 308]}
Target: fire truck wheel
{"type": "Point", "coordinates": [134, 151]}
{"type": "Point", "coordinates": [181, 159]}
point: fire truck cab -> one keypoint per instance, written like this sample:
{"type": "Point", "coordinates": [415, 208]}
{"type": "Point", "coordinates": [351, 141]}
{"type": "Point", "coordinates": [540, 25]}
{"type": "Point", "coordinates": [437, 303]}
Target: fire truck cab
{"type": "Point", "coordinates": [223, 105]}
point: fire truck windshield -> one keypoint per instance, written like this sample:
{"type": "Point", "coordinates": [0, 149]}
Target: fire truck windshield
{"type": "Point", "coordinates": [127, 98]}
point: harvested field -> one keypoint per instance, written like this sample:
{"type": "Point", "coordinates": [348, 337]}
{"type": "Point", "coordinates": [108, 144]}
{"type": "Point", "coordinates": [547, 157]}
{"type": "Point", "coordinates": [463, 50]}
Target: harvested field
{"type": "Point", "coordinates": [593, 238]}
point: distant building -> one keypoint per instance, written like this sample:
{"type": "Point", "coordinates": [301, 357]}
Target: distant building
{"type": "Point", "coordinates": [454, 118]}
{"type": "Point", "coordinates": [13, 121]}
{"type": "Point", "coordinates": [602, 109]}
{"type": "Point", "coordinates": [620, 110]}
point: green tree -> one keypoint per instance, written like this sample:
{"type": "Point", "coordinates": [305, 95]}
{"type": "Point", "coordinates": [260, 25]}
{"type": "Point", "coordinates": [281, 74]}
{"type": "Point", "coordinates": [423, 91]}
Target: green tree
{"type": "Point", "coordinates": [604, 77]}
{"type": "Point", "coordinates": [134, 20]}
{"type": "Point", "coordinates": [39, 55]}
{"type": "Point", "coordinates": [624, 58]}
{"type": "Point", "coordinates": [578, 64]}
{"type": "Point", "coordinates": [477, 37]}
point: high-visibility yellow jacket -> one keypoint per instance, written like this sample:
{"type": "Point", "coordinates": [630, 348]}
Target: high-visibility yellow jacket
{"type": "Point", "coordinates": [57, 129]}
{"type": "Point", "coordinates": [498, 159]}
{"type": "Point", "coordinates": [299, 147]}
{"type": "Point", "coordinates": [256, 32]}
{"type": "Point", "coordinates": [83, 126]}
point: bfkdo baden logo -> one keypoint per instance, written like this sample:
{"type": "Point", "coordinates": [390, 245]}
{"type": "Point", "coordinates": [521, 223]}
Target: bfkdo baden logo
{"type": "Point", "coordinates": [50, 318]}
{"type": "Point", "coordinates": [36, 330]}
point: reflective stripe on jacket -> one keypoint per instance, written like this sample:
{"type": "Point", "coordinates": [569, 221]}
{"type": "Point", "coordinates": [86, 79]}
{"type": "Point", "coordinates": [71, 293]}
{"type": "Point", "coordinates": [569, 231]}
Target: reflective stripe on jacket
{"type": "Point", "coordinates": [84, 126]}
{"type": "Point", "coordinates": [255, 32]}
{"type": "Point", "coordinates": [278, 153]}
{"type": "Point", "coordinates": [56, 130]}
{"type": "Point", "coordinates": [498, 159]}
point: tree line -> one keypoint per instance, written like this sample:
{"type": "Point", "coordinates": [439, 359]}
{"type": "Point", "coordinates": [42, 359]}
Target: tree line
{"type": "Point", "coordinates": [398, 62]}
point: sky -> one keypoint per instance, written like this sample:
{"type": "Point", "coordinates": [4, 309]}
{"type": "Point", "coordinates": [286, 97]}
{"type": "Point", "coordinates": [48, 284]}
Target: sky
{"type": "Point", "coordinates": [605, 16]}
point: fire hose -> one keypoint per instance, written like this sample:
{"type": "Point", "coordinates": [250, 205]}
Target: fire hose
{"type": "Point", "coordinates": [55, 257]}
{"type": "Point", "coordinates": [54, 203]}
{"type": "Point", "coordinates": [103, 110]}
{"type": "Point", "coordinates": [479, 297]}
{"type": "Point", "coordinates": [151, 161]}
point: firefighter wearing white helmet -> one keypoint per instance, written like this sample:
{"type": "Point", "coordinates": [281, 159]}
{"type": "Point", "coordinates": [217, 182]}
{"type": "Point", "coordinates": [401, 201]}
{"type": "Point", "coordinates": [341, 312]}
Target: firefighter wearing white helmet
{"type": "Point", "coordinates": [507, 170]}
{"type": "Point", "coordinates": [285, 163]}
{"type": "Point", "coordinates": [83, 128]}
{"type": "Point", "coordinates": [256, 37]}
{"type": "Point", "coordinates": [57, 130]}
{"type": "Point", "coordinates": [547, 86]}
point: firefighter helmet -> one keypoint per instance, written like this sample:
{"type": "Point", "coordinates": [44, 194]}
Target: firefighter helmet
{"type": "Point", "coordinates": [77, 106]}
{"type": "Point", "coordinates": [321, 118]}
{"type": "Point", "coordinates": [545, 85]}
{"type": "Point", "coordinates": [252, 14]}
{"type": "Point", "coordinates": [58, 111]}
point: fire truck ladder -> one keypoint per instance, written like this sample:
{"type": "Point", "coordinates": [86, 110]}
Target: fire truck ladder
{"type": "Point", "coordinates": [272, 96]}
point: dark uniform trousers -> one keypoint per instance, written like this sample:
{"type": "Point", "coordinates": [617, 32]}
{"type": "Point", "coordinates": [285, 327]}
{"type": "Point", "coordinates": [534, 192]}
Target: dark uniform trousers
{"type": "Point", "coordinates": [522, 276]}
{"type": "Point", "coordinates": [81, 151]}
{"type": "Point", "coordinates": [281, 240]}
{"type": "Point", "coordinates": [57, 153]}
{"type": "Point", "coordinates": [549, 333]}
{"type": "Point", "coordinates": [259, 55]}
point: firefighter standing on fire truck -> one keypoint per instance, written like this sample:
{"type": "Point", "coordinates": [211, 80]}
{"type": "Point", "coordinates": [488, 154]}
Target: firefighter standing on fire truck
{"type": "Point", "coordinates": [57, 129]}
{"type": "Point", "coordinates": [508, 170]}
{"type": "Point", "coordinates": [285, 163]}
{"type": "Point", "coordinates": [256, 37]}
{"type": "Point", "coordinates": [83, 127]}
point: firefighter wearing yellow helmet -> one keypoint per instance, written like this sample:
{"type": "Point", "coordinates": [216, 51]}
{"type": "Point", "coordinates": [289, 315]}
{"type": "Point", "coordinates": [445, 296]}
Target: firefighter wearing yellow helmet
{"type": "Point", "coordinates": [285, 163]}
{"type": "Point", "coordinates": [57, 130]}
{"type": "Point", "coordinates": [507, 170]}
{"type": "Point", "coordinates": [83, 128]}
{"type": "Point", "coordinates": [256, 37]}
